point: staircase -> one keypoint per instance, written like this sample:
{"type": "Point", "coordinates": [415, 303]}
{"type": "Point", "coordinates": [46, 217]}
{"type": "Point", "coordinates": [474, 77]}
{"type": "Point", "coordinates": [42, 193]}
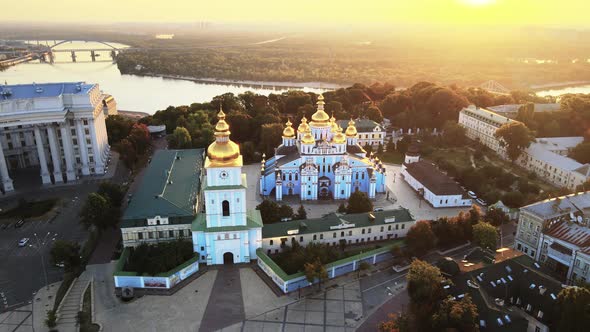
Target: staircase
{"type": "Point", "coordinates": [67, 312]}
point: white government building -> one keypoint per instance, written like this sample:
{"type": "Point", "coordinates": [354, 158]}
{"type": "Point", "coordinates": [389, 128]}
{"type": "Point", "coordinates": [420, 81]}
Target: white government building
{"type": "Point", "coordinates": [546, 157]}
{"type": "Point", "coordinates": [59, 127]}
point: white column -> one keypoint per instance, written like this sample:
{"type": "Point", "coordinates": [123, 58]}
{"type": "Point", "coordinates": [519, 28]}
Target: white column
{"type": "Point", "coordinates": [6, 180]}
{"type": "Point", "coordinates": [55, 155]}
{"type": "Point", "coordinates": [66, 140]}
{"type": "Point", "coordinates": [45, 177]}
{"type": "Point", "coordinates": [98, 163]}
{"type": "Point", "coordinates": [82, 147]}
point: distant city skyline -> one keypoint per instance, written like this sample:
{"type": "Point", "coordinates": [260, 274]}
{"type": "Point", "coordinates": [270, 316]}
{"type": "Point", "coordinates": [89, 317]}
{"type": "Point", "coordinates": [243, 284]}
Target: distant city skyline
{"type": "Point", "coordinates": [461, 12]}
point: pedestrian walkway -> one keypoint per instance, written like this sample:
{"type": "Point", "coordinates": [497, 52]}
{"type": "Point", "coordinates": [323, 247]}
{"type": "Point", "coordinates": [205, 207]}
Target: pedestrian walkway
{"type": "Point", "coordinates": [67, 312]}
{"type": "Point", "coordinates": [225, 306]}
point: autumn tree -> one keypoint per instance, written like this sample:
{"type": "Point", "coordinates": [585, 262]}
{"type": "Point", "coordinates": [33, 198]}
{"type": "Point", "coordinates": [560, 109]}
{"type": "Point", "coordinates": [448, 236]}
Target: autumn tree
{"type": "Point", "coordinates": [140, 137]}
{"type": "Point", "coordinates": [127, 152]}
{"type": "Point", "coordinates": [496, 217]}
{"type": "Point", "coordinates": [514, 137]}
{"type": "Point", "coordinates": [420, 238]}
{"type": "Point", "coordinates": [315, 271]}
{"type": "Point", "coordinates": [425, 288]}
{"type": "Point", "coordinates": [456, 315]}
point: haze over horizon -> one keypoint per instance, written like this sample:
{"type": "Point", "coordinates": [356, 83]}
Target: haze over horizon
{"type": "Point", "coordinates": [448, 12]}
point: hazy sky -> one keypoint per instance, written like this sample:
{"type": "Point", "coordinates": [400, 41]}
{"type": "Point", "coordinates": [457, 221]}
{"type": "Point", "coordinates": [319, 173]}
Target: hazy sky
{"type": "Point", "coordinates": [552, 12]}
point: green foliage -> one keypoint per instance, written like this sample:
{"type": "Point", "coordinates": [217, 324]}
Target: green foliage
{"type": "Point", "coordinates": [301, 213]}
{"type": "Point", "coordinates": [425, 288]}
{"type": "Point", "coordinates": [113, 191]}
{"type": "Point", "coordinates": [496, 217]}
{"type": "Point", "coordinates": [515, 137]}
{"type": "Point", "coordinates": [315, 271]}
{"type": "Point", "coordinates": [454, 134]}
{"type": "Point", "coordinates": [581, 153]}
{"type": "Point", "coordinates": [66, 252]}
{"type": "Point", "coordinates": [485, 235]}
{"type": "Point", "coordinates": [456, 315]}
{"type": "Point", "coordinates": [513, 199]}
{"type": "Point", "coordinates": [359, 202]}
{"type": "Point", "coordinates": [292, 259]}
{"type": "Point", "coordinates": [452, 231]}
{"type": "Point", "coordinates": [51, 319]}
{"type": "Point", "coordinates": [420, 238]}
{"type": "Point", "coordinates": [159, 258]}
{"type": "Point", "coordinates": [180, 139]}
{"type": "Point", "coordinates": [29, 209]}
{"type": "Point", "coordinates": [272, 212]}
{"type": "Point", "coordinates": [573, 304]}
{"type": "Point", "coordinates": [118, 128]}
{"type": "Point", "coordinates": [98, 212]}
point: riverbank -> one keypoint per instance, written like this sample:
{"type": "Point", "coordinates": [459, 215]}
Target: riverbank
{"type": "Point", "coordinates": [132, 114]}
{"type": "Point", "coordinates": [553, 86]}
{"type": "Point", "coordinates": [253, 84]}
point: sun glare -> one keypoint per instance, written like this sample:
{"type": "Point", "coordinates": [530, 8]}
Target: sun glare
{"type": "Point", "coordinates": [478, 2]}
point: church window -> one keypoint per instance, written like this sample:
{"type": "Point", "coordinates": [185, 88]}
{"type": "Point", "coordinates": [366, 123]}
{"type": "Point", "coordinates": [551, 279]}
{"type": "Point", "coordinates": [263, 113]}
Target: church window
{"type": "Point", "coordinates": [356, 241]}
{"type": "Point", "coordinates": [226, 236]}
{"type": "Point", "coordinates": [140, 236]}
{"type": "Point", "coordinates": [369, 231]}
{"type": "Point", "coordinates": [357, 176]}
{"type": "Point", "coordinates": [321, 236]}
{"type": "Point", "coordinates": [328, 168]}
{"type": "Point", "coordinates": [315, 237]}
{"type": "Point", "coordinates": [225, 208]}
{"type": "Point", "coordinates": [309, 178]}
{"type": "Point", "coordinates": [382, 228]}
{"type": "Point", "coordinates": [162, 234]}
{"type": "Point", "coordinates": [341, 234]}
{"type": "Point", "coordinates": [363, 231]}
{"type": "Point", "coordinates": [324, 168]}
{"type": "Point", "coordinates": [296, 177]}
{"type": "Point", "coordinates": [271, 242]}
{"type": "Point", "coordinates": [284, 177]}
{"type": "Point", "coordinates": [309, 193]}
{"type": "Point", "coordinates": [396, 226]}
{"type": "Point", "coordinates": [202, 248]}
{"type": "Point", "coordinates": [290, 177]}
{"type": "Point", "coordinates": [342, 192]}
{"type": "Point", "coordinates": [301, 239]}
{"type": "Point", "coordinates": [403, 226]}
{"type": "Point", "coordinates": [170, 233]}
{"type": "Point", "coordinates": [334, 235]}
{"type": "Point", "coordinates": [363, 176]}
{"type": "Point", "coordinates": [349, 233]}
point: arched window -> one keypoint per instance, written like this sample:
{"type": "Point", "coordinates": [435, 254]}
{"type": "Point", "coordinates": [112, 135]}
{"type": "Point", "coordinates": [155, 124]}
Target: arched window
{"type": "Point", "coordinates": [290, 177]}
{"type": "Point", "coordinates": [296, 177]}
{"type": "Point", "coordinates": [225, 208]}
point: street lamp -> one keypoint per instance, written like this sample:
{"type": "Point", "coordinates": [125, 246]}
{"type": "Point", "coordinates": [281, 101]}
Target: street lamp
{"type": "Point", "coordinates": [40, 245]}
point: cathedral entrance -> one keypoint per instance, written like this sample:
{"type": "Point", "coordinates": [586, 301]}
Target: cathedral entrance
{"type": "Point", "coordinates": [228, 258]}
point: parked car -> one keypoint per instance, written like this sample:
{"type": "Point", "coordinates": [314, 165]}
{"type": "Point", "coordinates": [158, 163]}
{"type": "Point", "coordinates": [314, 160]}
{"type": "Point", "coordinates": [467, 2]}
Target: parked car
{"type": "Point", "coordinates": [472, 194]}
{"type": "Point", "coordinates": [23, 242]}
{"type": "Point", "coordinates": [378, 209]}
{"type": "Point", "coordinates": [481, 201]}
{"type": "Point", "coordinates": [19, 223]}
{"type": "Point", "coordinates": [60, 264]}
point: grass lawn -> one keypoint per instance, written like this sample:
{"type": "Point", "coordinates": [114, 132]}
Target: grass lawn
{"type": "Point", "coordinates": [26, 209]}
{"type": "Point", "coordinates": [392, 157]}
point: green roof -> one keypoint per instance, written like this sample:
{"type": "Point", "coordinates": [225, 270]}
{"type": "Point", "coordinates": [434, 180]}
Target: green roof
{"type": "Point", "coordinates": [362, 125]}
{"type": "Point", "coordinates": [253, 220]}
{"type": "Point", "coordinates": [169, 188]}
{"type": "Point", "coordinates": [334, 219]}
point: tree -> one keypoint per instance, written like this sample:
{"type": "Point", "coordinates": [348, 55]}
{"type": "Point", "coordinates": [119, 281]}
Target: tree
{"type": "Point", "coordinates": [475, 214]}
{"type": "Point", "coordinates": [285, 212]}
{"type": "Point", "coordinates": [97, 212]}
{"type": "Point", "coordinates": [456, 315]}
{"type": "Point", "coordinates": [581, 153]}
{"type": "Point", "coordinates": [66, 252]}
{"type": "Point", "coordinates": [180, 139]}
{"type": "Point", "coordinates": [270, 137]}
{"type": "Point", "coordinates": [513, 199]}
{"type": "Point", "coordinates": [420, 238]}
{"type": "Point", "coordinates": [342, 208]}
{"type": "Point", "coordinates": [496, 217]}
{"type": "Point", "coordinates": [526, 114]}
{"type": "Point", "coordinates": [51, 319]}
{"type": "Point", "coordinates": [454, 134]}
{"type": "Point", "coordinates": [301, 213]}
{"type": "Point", "coordinates": [112, 191]}
{"type": "Point", "coordinates": [485, 235]}
{"type": "Point", "coordinates": [425, 288]}
{"type": "Point", "coordinates": [363, 266]}
{"type": "Point", "coordinates": [127, 152]}
{"type": "Point", "coordinates": [380, 149]}
{"type": "Point", "coordinates": [374, 113]}
{"type": "Point", "coordinates": [118, 128]}
{"type": "Point", "coordinates": [315, 271]}
{"type": "Point", "coordinates": [573, 313]}
{"type": "Point", "coordinates": [515, 137]}
{"type": "Point", "coordinates": [270, 211]}
{"type": "Point", "coordinates": [359, 202]}
{"type": "Point", "coordinates": [140, 137]}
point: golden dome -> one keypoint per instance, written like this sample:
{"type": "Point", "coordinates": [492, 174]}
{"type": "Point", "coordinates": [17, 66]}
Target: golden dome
{"type": "Point", "coordinates": [223, 151]}
{"type": "Point", "coordinates": [288, 132]}
{"type": "Point", "coordinates": [307, 138]}
{"type": "Point", "coordinates": [320, 118]}
{"type": "Point", "coordinates": [351, 130]}
{"type": "Point", "coordinates": [333, 125]}
{"type": "Point", "coordinates": [339, 138]}
{"type": "Point", "coordinates": [303, 126]}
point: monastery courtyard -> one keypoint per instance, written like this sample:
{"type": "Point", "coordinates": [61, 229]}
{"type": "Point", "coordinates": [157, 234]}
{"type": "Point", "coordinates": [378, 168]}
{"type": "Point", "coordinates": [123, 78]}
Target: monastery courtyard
{"type": "Point", "coordinates": [402, 193]}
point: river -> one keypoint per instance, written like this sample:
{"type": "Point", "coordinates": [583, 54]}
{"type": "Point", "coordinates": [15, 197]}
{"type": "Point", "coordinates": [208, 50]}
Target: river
{"type": "Point", "coordinates": [133, 93]}
{"type": "Point", "coordinates": [149, 94]}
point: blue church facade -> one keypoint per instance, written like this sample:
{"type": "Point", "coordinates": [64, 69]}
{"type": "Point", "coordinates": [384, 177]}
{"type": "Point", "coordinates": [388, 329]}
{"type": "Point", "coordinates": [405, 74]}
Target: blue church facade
{"type": "Point", "coordinates": [319, 161]}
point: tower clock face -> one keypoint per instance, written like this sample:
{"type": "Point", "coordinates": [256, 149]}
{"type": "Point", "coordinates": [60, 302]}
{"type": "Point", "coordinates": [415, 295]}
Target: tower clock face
{"type": "Point", "coordinates": [223, 175]}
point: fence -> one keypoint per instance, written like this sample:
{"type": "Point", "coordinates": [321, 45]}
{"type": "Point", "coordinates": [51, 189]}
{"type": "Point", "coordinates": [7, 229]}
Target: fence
{"type": "Point", "coordinates": [289, 283]}
{"type": "Point", "coordinates": [166, 280]}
